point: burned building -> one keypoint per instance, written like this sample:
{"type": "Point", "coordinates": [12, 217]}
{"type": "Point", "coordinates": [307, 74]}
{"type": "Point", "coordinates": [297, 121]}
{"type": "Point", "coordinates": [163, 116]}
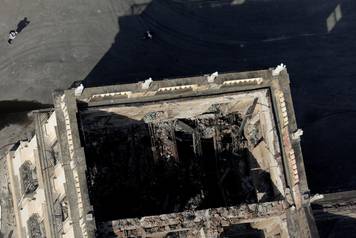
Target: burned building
{"type": "Point", "coordinates": [208, 156]}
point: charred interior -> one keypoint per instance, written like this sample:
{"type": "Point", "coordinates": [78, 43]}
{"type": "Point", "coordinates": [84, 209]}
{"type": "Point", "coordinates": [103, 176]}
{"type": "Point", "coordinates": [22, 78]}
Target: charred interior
{"type": "Point", "coordinates": [242, 231]}
{"type": "Point", "coordinates": [148, 159]}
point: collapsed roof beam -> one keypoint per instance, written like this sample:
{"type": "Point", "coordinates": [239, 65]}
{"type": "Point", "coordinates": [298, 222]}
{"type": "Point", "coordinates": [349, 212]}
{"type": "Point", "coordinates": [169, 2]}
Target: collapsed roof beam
{"type": "Point", "coordinates": [185, 127]}
{"type": "Point", "coordinates": [247, 116]}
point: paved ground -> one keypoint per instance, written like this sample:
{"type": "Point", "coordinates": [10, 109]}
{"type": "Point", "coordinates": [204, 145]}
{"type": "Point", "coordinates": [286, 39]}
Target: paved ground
{"type": "Point", "coordinates": [101, 42]}
{"type": "Point", "coordinates": [62, 43]}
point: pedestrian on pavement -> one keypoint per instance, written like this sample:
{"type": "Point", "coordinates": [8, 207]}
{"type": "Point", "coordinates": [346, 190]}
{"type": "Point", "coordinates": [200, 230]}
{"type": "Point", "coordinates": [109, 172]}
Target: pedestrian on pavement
{"type": "Point", "coordinates": [12, 36]}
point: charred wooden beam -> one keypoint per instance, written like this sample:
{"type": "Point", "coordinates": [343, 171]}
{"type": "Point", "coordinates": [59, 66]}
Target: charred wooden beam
{"type": "Point", "coordinates": [247, 116]}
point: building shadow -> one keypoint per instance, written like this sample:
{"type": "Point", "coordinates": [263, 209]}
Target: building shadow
{"type": "Point", "coordinates": [22, 25]}
{"type": "Point", "coordinates": [16, 112]}
{"type": "Point", "coordinates": [315, 39]}
{"type": "Point", "coordinates": [331, 225]}
{"type": "Point", "coordinates": [194, 37]}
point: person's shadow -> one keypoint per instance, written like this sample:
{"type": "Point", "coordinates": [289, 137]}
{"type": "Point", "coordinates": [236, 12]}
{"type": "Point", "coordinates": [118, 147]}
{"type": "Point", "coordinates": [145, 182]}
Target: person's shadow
{"type": "Point", "coordinates": [22, 24]}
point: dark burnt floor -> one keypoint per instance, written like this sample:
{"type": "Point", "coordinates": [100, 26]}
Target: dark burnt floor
{"type": "Point", "coordinates": [133, 174]}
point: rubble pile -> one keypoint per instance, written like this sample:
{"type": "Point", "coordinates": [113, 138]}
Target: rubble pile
{"type": "Point", "coordinates": [191, 224]}
{"type": "Point", "coordinates": [158, 165]}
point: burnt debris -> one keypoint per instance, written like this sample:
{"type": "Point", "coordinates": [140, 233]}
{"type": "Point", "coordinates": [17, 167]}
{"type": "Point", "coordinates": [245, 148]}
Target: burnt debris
{"type": "Point", "coordinates": [157, 166]}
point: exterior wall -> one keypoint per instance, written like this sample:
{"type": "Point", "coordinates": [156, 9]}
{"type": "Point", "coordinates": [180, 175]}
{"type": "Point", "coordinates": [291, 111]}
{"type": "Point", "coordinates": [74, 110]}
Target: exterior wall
{"type": "Point", "coordinates": [50, 129]}
{"type": "Point", "coordinates": [25, 152]}
{"type": "Point", "coordinates": [74, 165]}
{"type": "Point", "coordinates": [68, 231]}
{"type": "Point", "coordinates": [53, 177]}
{"type": "Point", "coordinates": [25, 206]}
{"type": "Point", "coordinates": [34, 206]}
{"type": "Point", "coordinates": [59, 181]}
{"type": "Point", "coordinates": [37, 202]}
{"type": "Point", "coordinates": [208, 223]}
{"type": "Point", "coordinates": [15, 192]}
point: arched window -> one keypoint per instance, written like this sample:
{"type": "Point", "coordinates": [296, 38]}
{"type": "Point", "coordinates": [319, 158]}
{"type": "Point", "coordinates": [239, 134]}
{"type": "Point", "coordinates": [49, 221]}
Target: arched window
{"type": "Point", "coordinates": [28, 178]}
{"type": "Point", "coordinates": [34, 227]}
